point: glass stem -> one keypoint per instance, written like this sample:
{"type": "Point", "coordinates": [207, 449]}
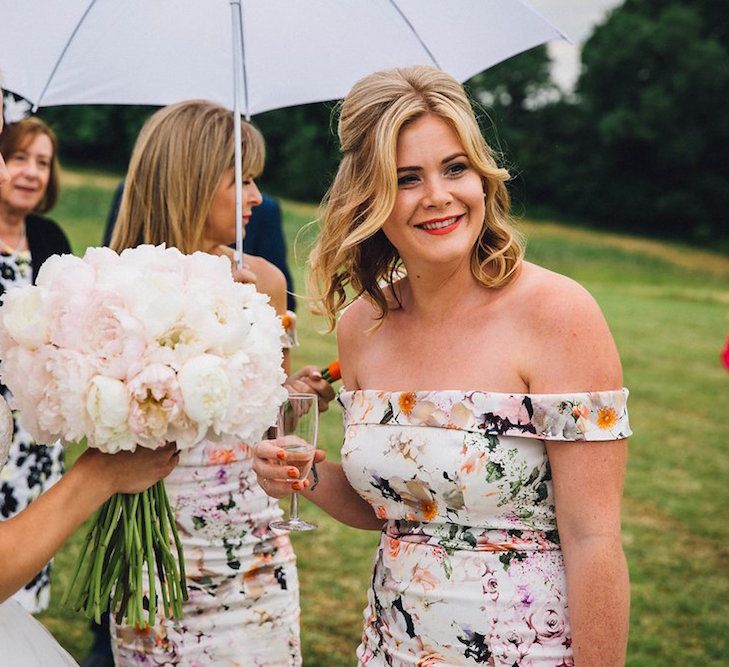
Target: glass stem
{"type": "Point", "coordinates": [294, 510]}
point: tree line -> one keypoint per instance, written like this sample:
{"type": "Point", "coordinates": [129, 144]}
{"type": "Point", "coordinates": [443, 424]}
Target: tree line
{"type": "Point", "coordinates": [641, 144]}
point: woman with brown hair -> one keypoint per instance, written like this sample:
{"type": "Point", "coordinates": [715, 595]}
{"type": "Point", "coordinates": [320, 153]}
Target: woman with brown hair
{"type": "Point", "coordinates": [485, 419]}
{"type": "Point", "coordinates": [27, 239]}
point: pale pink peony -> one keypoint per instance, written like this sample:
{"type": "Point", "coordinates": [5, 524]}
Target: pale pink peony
{"type": "Point", "coordinates": [100, 258]}
{"type": "Point", "coordinates": [141, 348]}
{"type": "Point", "coordinates": [69, 285]}
{"type": "Point", "coordinates": [113, 338]}
{"type": "Point", "coordinates": [62, 409]}
{"type": "Point", "coordinates": [156, 402]}
{"type": "Point", "coordinates": [29, 367]}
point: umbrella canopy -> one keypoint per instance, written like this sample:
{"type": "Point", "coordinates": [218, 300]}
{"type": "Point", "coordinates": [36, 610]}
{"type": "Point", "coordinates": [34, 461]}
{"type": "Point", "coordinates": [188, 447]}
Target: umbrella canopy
{"type": "Point", "coordinates": [248, 55]}
{"type": "Point", "coordinates": [56, 52]}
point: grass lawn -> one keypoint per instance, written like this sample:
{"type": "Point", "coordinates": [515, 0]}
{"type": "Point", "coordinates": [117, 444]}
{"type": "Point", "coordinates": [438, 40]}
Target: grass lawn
{"type": "Point", "coordinates": [668, 308]}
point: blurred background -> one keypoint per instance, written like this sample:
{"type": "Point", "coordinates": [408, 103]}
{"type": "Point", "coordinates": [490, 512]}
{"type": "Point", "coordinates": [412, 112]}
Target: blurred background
{"type": "Point", "coordinates": [618, 146]}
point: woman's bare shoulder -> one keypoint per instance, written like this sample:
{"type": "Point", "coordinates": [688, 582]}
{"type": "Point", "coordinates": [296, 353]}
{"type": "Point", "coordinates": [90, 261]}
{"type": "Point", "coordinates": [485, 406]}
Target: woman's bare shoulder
{"type": "Point", "coordinates": [356, 318]}
{"type": "Point", "coordinates": [570, 337]}
{"type": "Point", "coordinates": [548, 294]}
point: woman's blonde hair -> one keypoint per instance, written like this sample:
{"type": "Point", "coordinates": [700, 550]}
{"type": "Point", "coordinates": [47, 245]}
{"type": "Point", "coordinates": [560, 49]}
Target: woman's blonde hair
{"type": "Point", "coordinates": [178, 160]}
{"type": "Point", "coordinates": [17, 137]}
{"type": "Point", "coordinates": [352, 250]}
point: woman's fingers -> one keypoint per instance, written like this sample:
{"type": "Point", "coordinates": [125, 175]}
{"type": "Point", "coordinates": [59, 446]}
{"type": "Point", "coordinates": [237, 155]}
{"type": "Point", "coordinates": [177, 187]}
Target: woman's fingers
{"type": "Point", "coordinates": [308, 380]}
{"type": "Point", "coordinates": [244, 275]}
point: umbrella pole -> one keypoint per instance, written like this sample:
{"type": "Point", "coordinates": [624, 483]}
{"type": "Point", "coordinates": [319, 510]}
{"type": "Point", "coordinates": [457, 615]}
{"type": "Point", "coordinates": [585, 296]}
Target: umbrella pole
{"type": "Point", "coordinates": [236, 18]}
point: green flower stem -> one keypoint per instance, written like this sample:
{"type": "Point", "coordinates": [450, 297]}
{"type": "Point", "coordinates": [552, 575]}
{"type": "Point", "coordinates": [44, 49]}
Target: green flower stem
{"type": "Point", "coordinates": [111, 520]}
{"type": "Point", "coordinates": [180, 554]}
{"type": "Point", "coordinates": [149, 556]}
{"type": "Point", "coordinates": [138, 569]}
{"type": "Point", "coordinates": [79, 564]}
{"type": "Point", "coordinates": [128, 534]}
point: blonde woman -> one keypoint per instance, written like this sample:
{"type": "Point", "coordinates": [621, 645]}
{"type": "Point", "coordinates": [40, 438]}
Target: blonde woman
{"type": "Point", "coordinates": [243, 607]}
{"type": "Point", "coordinates": [485, 419]}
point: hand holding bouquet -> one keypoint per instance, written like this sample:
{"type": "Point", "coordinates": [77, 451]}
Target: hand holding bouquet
{"type": "Point", "coordinates": [139, 349]}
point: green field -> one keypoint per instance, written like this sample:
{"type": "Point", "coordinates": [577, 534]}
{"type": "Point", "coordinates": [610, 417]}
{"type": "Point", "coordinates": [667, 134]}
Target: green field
{"type": "Point", "coordinates": [668, 307]}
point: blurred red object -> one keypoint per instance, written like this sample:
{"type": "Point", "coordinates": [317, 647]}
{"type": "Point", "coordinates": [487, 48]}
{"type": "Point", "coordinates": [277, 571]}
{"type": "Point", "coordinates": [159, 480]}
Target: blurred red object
{"type": "Point", "coordinates": [725, 355]}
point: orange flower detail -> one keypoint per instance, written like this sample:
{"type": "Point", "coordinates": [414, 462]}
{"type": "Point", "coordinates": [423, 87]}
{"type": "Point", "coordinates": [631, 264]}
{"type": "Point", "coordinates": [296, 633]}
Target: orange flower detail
{"type": "Point", "coordinates": [424, 578]}
{"type": "Point", "coordinates": [429, 509]}
{"type": "Point", "coordinates": [222, 456]}
{"type": "Point", "coordinates": [394, 548]}
{"type": "Point", "coordinates": [332, 372]}
{"type": "Point", "coordinates": [407, 402]}
{"type": "Point", "coordinates": [381, 512]}
{"type": "Point", "coordinates": [143, 631]}
{"type": "Point", "coordinates": [606, 418]}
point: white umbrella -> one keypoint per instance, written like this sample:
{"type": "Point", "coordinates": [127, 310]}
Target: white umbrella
{"type": "Point", "coordinates": [249, 55]}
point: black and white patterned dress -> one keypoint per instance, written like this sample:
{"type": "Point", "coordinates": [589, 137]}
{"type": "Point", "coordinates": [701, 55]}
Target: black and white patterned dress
{"type": "Point", "coordinates": [31, 469]}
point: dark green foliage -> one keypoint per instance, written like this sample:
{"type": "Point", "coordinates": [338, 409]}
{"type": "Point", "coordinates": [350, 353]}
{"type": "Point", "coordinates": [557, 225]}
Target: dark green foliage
{"type": "Point", "coordinates": [97, 134]}
{"type": "Point", "coordinates": [656, 133]}
{"type": "Point", "coordinates": [302, 151]}
{"type": "Point", "coordinates": [642, 144]}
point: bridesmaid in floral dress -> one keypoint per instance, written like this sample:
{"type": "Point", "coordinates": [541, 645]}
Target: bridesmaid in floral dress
{"type": "Point", "coordinates": [485, 419]}
{"type": "Point", "coordinates": [243, 607]}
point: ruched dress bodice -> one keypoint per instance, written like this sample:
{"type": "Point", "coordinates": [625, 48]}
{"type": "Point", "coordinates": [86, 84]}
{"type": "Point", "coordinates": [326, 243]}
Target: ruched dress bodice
{"type": "Point", "coordinates": [469, 569]}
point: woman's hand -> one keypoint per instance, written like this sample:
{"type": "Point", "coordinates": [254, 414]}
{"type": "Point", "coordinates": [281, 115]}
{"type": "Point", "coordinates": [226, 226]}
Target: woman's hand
{"type": "Point", "coordinates": [275, 477]}
{"type": "Point", "coordinates": [243, 274]}
{"type": "Point", "coordinates": [129, 472]}
{"type": "Point", "coordinates": [308, 380]}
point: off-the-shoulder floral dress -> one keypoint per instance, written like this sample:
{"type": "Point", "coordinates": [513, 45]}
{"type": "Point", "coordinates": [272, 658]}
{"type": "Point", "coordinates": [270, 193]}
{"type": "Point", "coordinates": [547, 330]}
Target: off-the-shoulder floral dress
{"type": "Point", "coordinates": [469, 569]}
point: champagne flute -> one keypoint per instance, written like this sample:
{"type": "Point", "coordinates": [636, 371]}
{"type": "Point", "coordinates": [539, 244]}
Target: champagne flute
{"type": "Point", "coordinates": [298, 421]}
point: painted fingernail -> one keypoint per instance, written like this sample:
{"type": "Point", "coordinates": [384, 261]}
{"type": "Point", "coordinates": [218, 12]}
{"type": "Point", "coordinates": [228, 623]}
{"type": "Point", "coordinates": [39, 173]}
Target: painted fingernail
{"type": "Point", "coordinates": [292, 472]}
{"type": "Point", "coordinates": [297, 486]}
{"type": "Point", "coordinates": [280, 454]}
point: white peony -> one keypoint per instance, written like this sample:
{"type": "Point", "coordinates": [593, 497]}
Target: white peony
{"type": "Point", "coordinates": [25, 315]}
{"type": "Point", "coordinates": [205, 390]}
{"type": "Point", "coordinates": [107, 404]}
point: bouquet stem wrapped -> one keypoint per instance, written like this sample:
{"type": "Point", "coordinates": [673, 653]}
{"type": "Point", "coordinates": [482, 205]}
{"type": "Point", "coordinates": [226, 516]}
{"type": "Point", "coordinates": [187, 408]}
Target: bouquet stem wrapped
{"type": "Point", "coordinates": [137, 350]}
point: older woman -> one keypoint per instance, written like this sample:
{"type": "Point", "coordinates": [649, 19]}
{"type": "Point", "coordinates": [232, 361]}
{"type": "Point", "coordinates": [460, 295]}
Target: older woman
{"type": "Point", "coordinates": [27, 239]}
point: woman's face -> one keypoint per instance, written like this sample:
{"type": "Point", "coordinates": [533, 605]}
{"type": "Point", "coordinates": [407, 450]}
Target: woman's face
{"type": "Point", "coordinates": [439, 209]}
{"type": "Point", "coordinates": [29, 170]}
{"type": "Point", "coordinates": [220, 225]}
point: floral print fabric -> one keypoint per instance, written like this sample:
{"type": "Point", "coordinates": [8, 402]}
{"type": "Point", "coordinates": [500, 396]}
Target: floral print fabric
{"type": "Point", "coordinates": [31, 468]}
{"type": "Point", "coordinates": [243, 606]}
{"type": "Point", "coordinates": [469, 569]}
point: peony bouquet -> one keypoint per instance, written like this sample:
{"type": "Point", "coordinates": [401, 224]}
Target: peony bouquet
{"type": "Point", "coordinates": [137, 350]}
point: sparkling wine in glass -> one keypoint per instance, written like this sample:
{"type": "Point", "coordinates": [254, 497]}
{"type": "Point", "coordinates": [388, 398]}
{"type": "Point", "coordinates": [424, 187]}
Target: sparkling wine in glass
{"type": "Point", "coordinates": [298, 421]}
